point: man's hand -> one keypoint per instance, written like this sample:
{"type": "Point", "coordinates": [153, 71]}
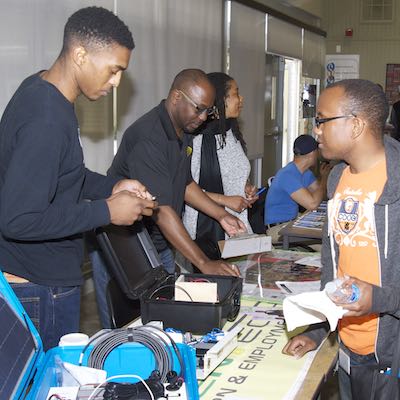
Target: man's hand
{"type": "Point", "coordinates": [363, 305]}
{"type": "Point", "coordinates": [219, 267]}
{"type": "Point", "coordinates": [232, 225]}
{"type": "Point", "coordinates": [132, 186]}
{"type": "Point", "coordinates": [126, 208]}
{"type": "Point", "coordinates": [298, 346]}
{"type": "Point", "coordinates": [236, 203]}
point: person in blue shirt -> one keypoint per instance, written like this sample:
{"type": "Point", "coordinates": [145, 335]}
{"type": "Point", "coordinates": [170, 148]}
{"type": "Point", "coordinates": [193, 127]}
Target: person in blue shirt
{"type": "Point", "coordinates": [296, 185]}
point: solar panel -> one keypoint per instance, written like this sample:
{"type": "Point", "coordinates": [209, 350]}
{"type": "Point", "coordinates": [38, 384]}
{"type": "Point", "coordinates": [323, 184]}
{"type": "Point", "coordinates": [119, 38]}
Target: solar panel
{"type": "Point", "coordinates": [17, 347]}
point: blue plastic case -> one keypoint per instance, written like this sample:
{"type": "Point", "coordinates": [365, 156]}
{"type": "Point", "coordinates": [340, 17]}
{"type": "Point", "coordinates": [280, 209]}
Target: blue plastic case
{"type": "Point", "coordinates": [23, 363]}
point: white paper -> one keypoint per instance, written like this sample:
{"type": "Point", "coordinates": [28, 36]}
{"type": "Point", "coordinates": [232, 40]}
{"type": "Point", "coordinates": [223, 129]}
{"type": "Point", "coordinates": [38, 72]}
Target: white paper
{"type": "Point", "coordinates": [84, 375]}
{"type": "Point", "coordinates": [293, 288]}
{"type": "Point", "coordinates": [311, 308]}
{"type": "Point", "coordinates": [246, 244]}
{"type": "Point", "coordinates": [312, 261]}
{"type": "Point", "coordinates": [263, 313]}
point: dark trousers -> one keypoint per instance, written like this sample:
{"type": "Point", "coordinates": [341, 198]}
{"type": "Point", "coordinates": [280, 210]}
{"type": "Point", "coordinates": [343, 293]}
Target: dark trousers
{"type": "Point", "coordinates": [345, 384]}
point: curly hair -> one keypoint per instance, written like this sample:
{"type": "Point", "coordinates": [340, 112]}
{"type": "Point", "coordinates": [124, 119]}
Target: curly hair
{"type": "Point", "coordinates": [222, 83]}
{"type": "Point", "coordinates": [96, 27]}
{"type": "Point", "coordinates": [367, 100]}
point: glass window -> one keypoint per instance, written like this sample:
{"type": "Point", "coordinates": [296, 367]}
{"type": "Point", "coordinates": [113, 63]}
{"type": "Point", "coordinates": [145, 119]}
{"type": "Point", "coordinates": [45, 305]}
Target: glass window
{"type": "Point", "coordinates": [377, 10]}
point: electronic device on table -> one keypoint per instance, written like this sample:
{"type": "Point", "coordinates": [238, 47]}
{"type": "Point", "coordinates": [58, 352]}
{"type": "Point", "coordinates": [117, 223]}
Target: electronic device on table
{"type": "Point", "coordinates": [213, 349]}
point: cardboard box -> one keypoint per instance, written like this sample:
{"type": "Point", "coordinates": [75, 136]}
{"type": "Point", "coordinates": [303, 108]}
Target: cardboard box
{"type": "Point", "coordinates": [200, 290]}
{"type": "Point", "coordinates": [244, 244]}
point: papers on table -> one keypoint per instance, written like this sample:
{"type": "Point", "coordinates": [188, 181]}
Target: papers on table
{"type": "Point", "coordinates": [297, 287]}
{"type": "Point", "coordinates": [263, 313]}
{"type": "Point", "coordinates": [293, 288]}
{"type": "Point", "coordinates": [313, 261]}
{"type": "Point", "coordinates": [312, 219]}
{"type": "Point", "coordinates": [253, 290]}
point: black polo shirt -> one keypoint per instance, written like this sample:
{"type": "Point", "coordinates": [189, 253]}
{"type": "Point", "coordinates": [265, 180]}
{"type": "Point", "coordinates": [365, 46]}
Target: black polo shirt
{"type": "Point", "coordinates": [151, 152]}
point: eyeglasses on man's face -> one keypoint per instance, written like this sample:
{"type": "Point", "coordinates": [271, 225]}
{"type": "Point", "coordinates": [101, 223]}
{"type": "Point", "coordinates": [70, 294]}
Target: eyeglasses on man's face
{"type": "Point", "coordinates": [319, 121]}
{"type": "Point", "coordinates": [199, 110]}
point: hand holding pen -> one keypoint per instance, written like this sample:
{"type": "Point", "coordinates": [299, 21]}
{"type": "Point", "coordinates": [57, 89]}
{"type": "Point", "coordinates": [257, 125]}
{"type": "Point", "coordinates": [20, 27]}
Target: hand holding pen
{"type": "Point", "coordinates": [255, 196]}
{"type": "Point", "coordinates": [251, 193]}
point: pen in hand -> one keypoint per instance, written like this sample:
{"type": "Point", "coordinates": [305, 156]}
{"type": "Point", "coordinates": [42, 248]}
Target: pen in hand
{"type": "Point", "coordinates": [260, 191]}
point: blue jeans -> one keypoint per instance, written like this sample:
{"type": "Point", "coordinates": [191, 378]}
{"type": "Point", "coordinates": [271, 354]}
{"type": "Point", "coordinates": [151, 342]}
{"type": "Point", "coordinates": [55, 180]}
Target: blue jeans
{"type": "Point", "coordinates": [53, 310]}
{"type": "Point", "coordinates": [168, 260]}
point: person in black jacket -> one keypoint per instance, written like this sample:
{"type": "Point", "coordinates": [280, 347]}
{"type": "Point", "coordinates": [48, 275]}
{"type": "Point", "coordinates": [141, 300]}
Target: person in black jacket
{"type": "Point", "coordinates": [44, 184]}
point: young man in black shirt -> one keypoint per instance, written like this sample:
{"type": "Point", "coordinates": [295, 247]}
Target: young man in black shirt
{"type": "Point", "coordinates": [44, 184]}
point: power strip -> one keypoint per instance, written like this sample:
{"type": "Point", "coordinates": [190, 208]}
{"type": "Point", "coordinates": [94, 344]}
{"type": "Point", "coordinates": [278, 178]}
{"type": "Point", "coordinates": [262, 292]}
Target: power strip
{"type": "Point", "coordinates": [84, 392]}
{"type": "Point", "coordinates": [210, 355]}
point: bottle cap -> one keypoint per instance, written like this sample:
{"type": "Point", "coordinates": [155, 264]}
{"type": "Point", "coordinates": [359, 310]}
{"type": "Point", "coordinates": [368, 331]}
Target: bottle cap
{"type": "Point", "coordinates": [74, 339]}
{"type": "Point", "coordinates": [330, 287]}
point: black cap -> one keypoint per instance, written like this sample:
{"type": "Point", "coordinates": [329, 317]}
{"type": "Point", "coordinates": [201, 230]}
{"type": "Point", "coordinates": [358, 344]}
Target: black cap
{"type": "Point", "coordinates": [304, 144]}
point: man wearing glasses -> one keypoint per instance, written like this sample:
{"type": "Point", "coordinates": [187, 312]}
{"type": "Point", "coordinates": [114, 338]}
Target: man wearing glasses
{"type": "Point", "coordinates": [361, 237]}
{"type": "Point", "coordinates": [157, 150]}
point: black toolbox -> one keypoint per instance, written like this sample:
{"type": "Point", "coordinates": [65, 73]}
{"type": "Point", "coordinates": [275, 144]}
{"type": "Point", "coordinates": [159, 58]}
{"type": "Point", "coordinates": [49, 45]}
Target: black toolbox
{"type": "Point", "coordinates": [134, 262]}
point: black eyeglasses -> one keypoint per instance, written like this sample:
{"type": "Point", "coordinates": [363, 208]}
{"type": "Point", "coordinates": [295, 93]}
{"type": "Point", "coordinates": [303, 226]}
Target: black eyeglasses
{"type": "Point", "coordinates": [319, 121]}
{"type": "Point", "coordinates": [209, 110]}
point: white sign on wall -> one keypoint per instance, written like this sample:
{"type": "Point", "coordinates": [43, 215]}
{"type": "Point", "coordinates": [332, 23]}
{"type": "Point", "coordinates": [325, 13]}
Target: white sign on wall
{"type": "Point", "coordinates": [341, 66]}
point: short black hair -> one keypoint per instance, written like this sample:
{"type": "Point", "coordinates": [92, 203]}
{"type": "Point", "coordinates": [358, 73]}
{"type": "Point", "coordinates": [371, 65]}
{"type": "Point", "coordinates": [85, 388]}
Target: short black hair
{"type": "Point", "coordinates": [188, 77]}
{"type": "Point", "coordinates": [96, 27]}
{"type": "Point", "coordinates": [367, 100]}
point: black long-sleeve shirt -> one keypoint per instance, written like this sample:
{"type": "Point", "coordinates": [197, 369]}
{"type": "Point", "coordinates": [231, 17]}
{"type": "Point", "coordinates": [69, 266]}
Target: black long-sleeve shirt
{"type": "Point", "coordinates": [43, 187]}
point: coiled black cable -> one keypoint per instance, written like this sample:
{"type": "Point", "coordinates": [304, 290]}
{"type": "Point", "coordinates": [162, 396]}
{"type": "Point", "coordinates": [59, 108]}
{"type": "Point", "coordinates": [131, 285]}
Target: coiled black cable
{"type": "Point", "coordinates": [149, 336]}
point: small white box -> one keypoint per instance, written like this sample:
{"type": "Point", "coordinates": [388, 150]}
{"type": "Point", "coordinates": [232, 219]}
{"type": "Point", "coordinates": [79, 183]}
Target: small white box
{"type": "Point", "coordinates": [244, 244]}
{"type": "Point", "coordinates": [204, 292]}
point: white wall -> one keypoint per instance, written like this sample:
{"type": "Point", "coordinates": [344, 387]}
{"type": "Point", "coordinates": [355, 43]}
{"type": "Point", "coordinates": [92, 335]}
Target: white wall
{"type": "Point", "coordinates": [169, 35]}
{"type": "Point", "coordinates": [377, 43]}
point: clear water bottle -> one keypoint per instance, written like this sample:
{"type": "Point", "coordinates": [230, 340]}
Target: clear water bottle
{"type": "Point", "coordinates": [342, 295]}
